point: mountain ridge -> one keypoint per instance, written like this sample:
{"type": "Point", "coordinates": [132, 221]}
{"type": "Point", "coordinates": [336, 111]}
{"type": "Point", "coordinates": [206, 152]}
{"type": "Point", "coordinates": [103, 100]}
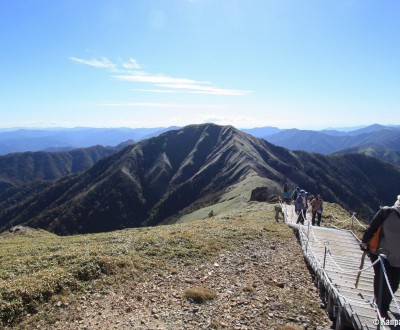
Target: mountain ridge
{"type": "Point", "coordinates": [158, 178]}
{"type": "Point", "coordinates": [64, 139]}
{"type": "Point", "coordinates": [18, 169]}
{"type": "Point", "coordinates": [322, 142]}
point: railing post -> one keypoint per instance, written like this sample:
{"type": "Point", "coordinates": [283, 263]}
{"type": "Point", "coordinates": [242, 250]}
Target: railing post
{"type": "Point", "coordinates": [308, 237]}
{"type": "Point", "coordinates": [326, 250]}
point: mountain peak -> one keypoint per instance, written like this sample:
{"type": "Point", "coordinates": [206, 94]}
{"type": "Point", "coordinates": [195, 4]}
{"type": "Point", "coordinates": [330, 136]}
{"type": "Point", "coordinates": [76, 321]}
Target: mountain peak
{"type": "Point", "coordinates": [184, 170]}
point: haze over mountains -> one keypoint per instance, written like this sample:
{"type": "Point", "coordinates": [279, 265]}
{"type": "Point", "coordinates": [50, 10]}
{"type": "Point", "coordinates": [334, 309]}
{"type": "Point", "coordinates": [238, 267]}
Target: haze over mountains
{"type": "Point", "coordinates": [58, 139]}
{"type": "Point", "coordinates": [369, 140]}
{"type": "Point", "coordinates": [332, 141]}
{"type": "Point", "coordinates": [378, 141]}
{"type": "Point", "coordinates": [179, 171]}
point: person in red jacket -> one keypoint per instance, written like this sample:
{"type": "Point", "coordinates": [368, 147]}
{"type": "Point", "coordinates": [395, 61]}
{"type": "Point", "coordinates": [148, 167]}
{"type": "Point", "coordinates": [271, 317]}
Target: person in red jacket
{"type": "Point", "coordinates": [385, 229]}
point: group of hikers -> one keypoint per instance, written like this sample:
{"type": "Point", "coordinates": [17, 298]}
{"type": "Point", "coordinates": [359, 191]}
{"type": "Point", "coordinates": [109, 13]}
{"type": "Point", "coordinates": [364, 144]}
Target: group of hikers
{"type": "Point", "coordinates": [380, 241]}
{"type": "Point", "coordinates": [302, 201]}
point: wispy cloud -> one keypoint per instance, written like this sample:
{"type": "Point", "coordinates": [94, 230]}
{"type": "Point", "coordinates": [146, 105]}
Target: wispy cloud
{"type": "Point", "coordinates": [103, 63]}
{"type": "Point", "coordinates": [131, 71]}
{"type": "Point", "coordinates": [166, 91]}
{"type": "Point", "coordinates": [201, 89]}
{"type": "Point", "coordinates": [160, 105]}
{"type": "Point", "coordinates": [132, 64]}
{"type": "Point", "coordinates": [142, 76]}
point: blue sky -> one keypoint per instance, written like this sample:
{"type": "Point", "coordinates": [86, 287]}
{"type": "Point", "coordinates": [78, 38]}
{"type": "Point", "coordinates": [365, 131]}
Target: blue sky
{"type": "Point", "coordinates": [248, 63]}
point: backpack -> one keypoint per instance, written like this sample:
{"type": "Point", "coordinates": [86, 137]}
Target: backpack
{"type": "Point", "coordinates": [374, 242]}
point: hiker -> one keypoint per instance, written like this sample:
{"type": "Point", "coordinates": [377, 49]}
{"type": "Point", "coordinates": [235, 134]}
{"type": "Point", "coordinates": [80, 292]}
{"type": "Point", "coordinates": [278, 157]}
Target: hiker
{"type": "Point", "coordinates": [286, 194]}
{"type": "Point", "coordinates": [285, 188]}
{"type": "Point", "coordinates": [382, 238]}
{"type": "Point", "coordinates": [295, 194]}
{"type": "Point", "coordinates": [301, 206]}
{"type": "Point", "coordinates": [317, 206]}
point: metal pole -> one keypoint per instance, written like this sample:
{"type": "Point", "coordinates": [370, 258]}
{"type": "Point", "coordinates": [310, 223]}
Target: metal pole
{"type": "Point", "coordinates": [326, 249]}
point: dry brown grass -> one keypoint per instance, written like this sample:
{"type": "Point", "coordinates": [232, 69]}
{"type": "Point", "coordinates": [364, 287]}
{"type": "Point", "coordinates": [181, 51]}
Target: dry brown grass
{"type": "Point", "coordinates": [336, 216]}
{"type": "Point", "coordinates": [290, 326]}
{"type": "Point", "coordinates": [199, 295]}
{"type": "Point", "coordinates": [37, 266]}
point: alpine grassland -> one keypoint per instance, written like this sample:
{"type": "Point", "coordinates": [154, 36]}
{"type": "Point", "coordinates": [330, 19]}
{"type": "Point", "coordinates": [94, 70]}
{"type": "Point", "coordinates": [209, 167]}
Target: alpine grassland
{"type": "Point", "coordinates": [40, 270]}
{"type": "Point", "coordinates": [38, 267]}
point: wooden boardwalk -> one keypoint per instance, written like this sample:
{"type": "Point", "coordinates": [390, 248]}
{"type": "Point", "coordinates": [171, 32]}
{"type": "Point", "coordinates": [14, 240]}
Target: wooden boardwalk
{"type": "Point", "coordinates": [334, 255]}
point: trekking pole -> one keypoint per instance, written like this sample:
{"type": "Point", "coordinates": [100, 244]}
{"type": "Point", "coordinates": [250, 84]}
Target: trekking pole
{"type": "Point", "coordinates": [380, 293]}
{"type": "Point", "coordinates": [361, 267]}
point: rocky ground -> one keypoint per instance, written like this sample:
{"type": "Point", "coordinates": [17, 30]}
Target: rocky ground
{"type": "Point", "coordinates": [263, 284]}
{"type": "Point", "coordinates": [258, 286]}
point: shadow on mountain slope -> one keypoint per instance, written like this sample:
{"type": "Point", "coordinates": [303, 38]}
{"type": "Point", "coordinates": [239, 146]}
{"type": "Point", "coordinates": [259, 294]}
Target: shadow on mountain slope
{"type": "Point", "coordinates": [183, 170]}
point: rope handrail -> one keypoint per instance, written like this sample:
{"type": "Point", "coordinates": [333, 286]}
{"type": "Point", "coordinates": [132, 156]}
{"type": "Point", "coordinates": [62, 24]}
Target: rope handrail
{"type": "Point", "coordinates": [380, 258]}
{"type": "Point", "coordinates": [327, 278]}
{"type": "Point", "coordinates": [359, 222]}
{"type": "Point", "coordinates": [340, 221]}
{"type": "Point", "coordinates": [356, 271]}
{"type": "Point", "coordinates": [350, 271]}
{"type": "Point", "coordinates": [353, 217]}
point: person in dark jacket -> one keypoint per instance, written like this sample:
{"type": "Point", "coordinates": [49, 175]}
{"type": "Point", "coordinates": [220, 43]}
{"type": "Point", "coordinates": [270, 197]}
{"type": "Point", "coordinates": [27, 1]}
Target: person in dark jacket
{"type": "Point", "coordinates": [301, 206]}
{"type": "Point", "coordinates": [294, 196]}
{"type": "Point", "coordinates": [386, 223]}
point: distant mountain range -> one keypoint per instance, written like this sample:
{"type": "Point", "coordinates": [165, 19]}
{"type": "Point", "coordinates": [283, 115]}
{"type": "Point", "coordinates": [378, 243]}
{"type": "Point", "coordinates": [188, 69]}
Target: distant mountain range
{"type": "Point", "coordinates": [358, 140]}
{"type": "Point", "coordinates": [332, 141]}
{"type": "Point", "coordinates": [378, 141]}
{"type": "Point", "coordinates": [61, 139]}
{"type": "Point", "coordinates": [182, 170]}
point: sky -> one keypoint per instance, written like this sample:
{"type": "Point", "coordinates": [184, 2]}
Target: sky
{"type": "Point", "coordinates": [304, 64]}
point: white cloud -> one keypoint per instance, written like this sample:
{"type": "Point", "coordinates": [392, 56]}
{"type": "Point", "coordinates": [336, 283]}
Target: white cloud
{"type": "Point", "coordinates": [169, 91]}
{"type": "Point", "coordinates": [199, 89]}
{"type": "Point", "coordinates": [141, 76]}
{"type": "Point", "coordinates": [161, 105]}
{"type": "Point", "coordinates": [130, 71]}
{"type": "Point", "coordinates": [132, 64]}
{"type": "Point", "coordinates": [103, 63]}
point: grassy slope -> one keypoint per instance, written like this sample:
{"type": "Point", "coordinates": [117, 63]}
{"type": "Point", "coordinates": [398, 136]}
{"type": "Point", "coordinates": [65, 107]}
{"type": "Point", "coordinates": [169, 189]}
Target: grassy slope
{"type": "Point", "coordinates": [235, 197]}
{"type": "Point", "coordinates": [38, 267]}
